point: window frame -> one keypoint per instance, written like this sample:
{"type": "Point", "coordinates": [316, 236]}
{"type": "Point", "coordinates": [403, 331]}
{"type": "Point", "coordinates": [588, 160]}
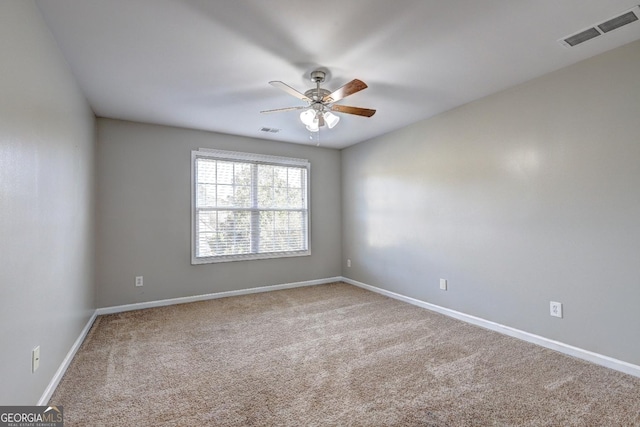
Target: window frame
{"type": "Point", "coordinates": [252, 158]}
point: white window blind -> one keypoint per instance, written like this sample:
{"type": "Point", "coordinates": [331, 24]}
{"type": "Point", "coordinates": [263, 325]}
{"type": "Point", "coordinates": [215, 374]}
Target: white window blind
{"type": "Point", "coordinates": [248, 206]}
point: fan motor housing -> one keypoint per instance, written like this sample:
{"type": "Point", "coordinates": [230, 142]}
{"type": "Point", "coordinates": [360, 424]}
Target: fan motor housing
{"type": "Point", "coordinates": [316, 94]}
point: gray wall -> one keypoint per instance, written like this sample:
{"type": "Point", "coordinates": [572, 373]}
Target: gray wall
{"type": "Point", "coordinates": [144, 216]}
{"type": "Point", "coordinates": [47, 141]}
{"type": "Point", "coordinates": [520, 198]}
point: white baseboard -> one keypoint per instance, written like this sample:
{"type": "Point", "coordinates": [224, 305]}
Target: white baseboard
{"type": "Point", "coordinates": [599, 359]}
{"type": "Point", "coordinates": [48, 392]}
{"type": "Point", "coordinates": [183, 300]}
{"type": "Point", "coordinates": [596, 358]}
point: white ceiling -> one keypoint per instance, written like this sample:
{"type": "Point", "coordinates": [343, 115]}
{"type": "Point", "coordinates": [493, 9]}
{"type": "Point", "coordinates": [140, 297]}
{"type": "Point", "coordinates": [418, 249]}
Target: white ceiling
{"type": "Point", "coordinates": [206, 64]}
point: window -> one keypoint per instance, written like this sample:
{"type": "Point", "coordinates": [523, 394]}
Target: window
{"type": "Point", "coordinates": [248, 206]}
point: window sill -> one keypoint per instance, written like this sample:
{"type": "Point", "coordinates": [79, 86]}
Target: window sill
{"type": "Point", "coordinates": [231, 258]}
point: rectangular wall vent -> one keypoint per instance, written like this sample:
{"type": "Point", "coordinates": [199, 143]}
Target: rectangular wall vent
{"type": "Point", "coordinates": [599, 29]}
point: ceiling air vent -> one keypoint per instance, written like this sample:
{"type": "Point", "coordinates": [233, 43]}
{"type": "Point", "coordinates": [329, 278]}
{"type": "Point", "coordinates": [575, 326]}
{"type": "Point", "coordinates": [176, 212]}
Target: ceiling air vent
{"type": "Point", "coordinates": [582, 37]}
{"type": "Point", "coordinates": [269, 130]}
{"type": "Point", "coordinates": [602, 28]}
{"type": "Point", "coordinates": [618, 22]}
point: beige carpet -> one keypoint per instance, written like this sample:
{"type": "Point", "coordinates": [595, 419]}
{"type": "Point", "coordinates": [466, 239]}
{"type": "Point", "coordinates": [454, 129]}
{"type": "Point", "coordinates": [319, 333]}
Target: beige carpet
{"type": "Point", "coordinates": [329, 355]}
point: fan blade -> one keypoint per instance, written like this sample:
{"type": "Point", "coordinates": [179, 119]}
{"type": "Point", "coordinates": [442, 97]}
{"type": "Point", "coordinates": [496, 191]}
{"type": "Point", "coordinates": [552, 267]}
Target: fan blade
{"type": "Point", "coordinates": [366, 112]}
{"type": "Point", "coordinates": [289, 90]}
{"type": "Point", "coordinates": [278, 110]}
{"type": "Point", "coordinates": [349, 89]}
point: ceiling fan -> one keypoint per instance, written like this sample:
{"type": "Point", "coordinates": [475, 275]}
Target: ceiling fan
{"type": "Point", "coordinates": [321, 102]}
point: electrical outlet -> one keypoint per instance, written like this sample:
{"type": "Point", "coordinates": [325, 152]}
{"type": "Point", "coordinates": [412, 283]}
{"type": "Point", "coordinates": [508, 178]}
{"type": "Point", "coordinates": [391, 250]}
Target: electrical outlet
{"type": "Point", "coordinates": [35, 359]}
{"type": "Point", "coordinates": [443, 284]}
{"type": "Point", "coordinates": [555, 309]}
{"type": "Point", "coordinates": [349, 263]}
{"type": "Point", "coordinates": [139, 281]}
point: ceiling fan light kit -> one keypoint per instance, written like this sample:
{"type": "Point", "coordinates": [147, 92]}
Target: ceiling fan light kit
{"type": "Point", "coordinates": [320, 102]}
{"type": "Point", "coordinates": [314, 126]}
{"type": "Point", "coordinates": [307, 117]}
{"type": "Point", "coordinates": [331, 119]}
